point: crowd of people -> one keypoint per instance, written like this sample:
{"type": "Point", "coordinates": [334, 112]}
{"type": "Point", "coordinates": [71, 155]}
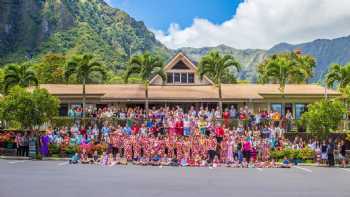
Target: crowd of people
{"type": "Point", "coordinates": [204, 137]}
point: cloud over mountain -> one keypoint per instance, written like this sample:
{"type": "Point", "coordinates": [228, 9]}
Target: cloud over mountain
{"type": "Point", "coordinates": [263, 23]}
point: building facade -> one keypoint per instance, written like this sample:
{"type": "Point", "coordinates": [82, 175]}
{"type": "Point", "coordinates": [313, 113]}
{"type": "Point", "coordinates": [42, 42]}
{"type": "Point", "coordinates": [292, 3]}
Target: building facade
{"type": "Point", "coordinates": [184, 87]}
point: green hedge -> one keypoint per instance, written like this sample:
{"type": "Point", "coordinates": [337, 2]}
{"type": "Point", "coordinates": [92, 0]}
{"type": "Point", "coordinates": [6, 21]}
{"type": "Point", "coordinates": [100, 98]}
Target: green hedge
{"type": "Point", "coordinates": [302, 154]}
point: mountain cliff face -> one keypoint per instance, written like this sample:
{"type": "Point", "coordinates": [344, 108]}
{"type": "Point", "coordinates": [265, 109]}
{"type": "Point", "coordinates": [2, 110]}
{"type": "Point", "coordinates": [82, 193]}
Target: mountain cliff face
{"type": "Point", "coordinates": [249, 58]}
{"type": "Point", "coordinates": [30, 28]}
{"type": "Point", "coordinates": [325, 51]}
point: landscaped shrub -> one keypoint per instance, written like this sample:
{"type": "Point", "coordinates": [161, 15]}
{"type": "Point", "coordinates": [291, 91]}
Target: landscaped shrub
{"type": "Point", "coordinates": [299, 154]}
{"type": "Point", "coordinates": [307, 154]}
{"type": "Point", "coordinates": [7, 140]}
{"type": "Point", "coordinates": [54, 149]}
{"type": "Point", "coordinates": [71, 149]}
{"type": "Point", "coordinates": [100, 148]}
{"type": "Point", "coordinates": [62, 122]}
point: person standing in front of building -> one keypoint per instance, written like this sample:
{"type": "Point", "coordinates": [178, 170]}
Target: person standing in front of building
{"type": "Point", "coordinates": [342, 154]}
{"type": "Point", "coordinates": [187, 126]}
{"type": "Point", "coordinates": [18, 144]}
{"type": "Point", "coordinates": [289, 119]}
{"type": "Point", "coordinates": [25, 141]}
{"type": "Point", "coordinates": [330, 152]}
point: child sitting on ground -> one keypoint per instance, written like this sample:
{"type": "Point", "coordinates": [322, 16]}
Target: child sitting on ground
{"type": "Point", "coordinates": [197, 160]}
{"type": "Point", "coordinates": [104, 159]}
{"type": "Point", "coordinates": [183, 162]}
{"type": "Point", "coordinates": [84, 159]}
{"type": "Point", "coordinates": [165, 160]}
{"type": "Point", "coordinates": [123, 161]}
{"type": "Point", "coordinates": [144, 161]}
{"type": "Point", "coordinates": [204, 162]}
{"type": "Point", "coordinates": [244, 163]}
{"type": "Point", "coordinates": [174, 161]}
{"type": "Point", "coordinates": [272, 164]}
{"type": "Point", "coordinates": [95, 157]}
{"type": "Point", "coordinates": [155, 161]}
{"type": "Point", "coordinates": [111, 160]}
{"type": "Point", "coordinates": [285, 163]}
{"type": "Point", "coordinates": [75, 159]}
{"type": "Point", "coordinates": [216, 162]}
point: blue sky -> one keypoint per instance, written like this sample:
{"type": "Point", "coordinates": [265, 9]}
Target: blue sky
{"type": "Point", "coordinates": [240, 23]}
{"type": "Point", "coordinates": [159, 14]}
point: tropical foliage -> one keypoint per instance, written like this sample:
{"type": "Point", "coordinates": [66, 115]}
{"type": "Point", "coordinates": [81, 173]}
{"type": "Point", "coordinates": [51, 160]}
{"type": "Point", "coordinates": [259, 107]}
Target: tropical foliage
{"type": "Point", "coordinates": [83, 67]}
{"type": "Point", "coordinates": [22, 75]}
{"type": "Point", "coordinates": [323, 117]}
{"type": "Point", "coordinates": [301, 154]}
{"type": "Point", "coordinates": [338, 75]}
{"type": "Point", "coordinates": [216, 66]}
{"type": "Point", "coordinates": [286, 68]}
{"type": "Point", "coordinates": [145, 66]}
{"type": "Point", "coordinates": [50, 69]}
{"type": "Point", "coordinates": [71, 27]}
{"type": "Point", "coordinates": [2, 76]}
{"type": "Point", "coordinates": [29, 109]}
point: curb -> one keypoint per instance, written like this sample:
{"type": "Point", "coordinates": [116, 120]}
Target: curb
{"type": "Point", "coordinates": [320, 166]}
{"type": "Point", "coordinates": [67, 159]}
{"type": "Point", "coordinates": [14, 158]}
{"type": "Point", "coordinates": [55, 159]}
{"type": "Point", "coordinates": [29, 158]}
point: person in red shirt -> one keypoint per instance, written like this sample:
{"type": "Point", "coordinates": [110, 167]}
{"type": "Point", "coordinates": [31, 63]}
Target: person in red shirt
{"type": "Point", "coordinates": [83, 131]}
{"type": "Point", "coordinates": [219, 132]}
{"type": "Point", "coordinates": [226, 116]}
{"type": "Point", "coordinates": [135, 129]}
{"type": "Point", "coordinates": [179, 127]}
{"type": "Point", "coordinates": [211, 144]}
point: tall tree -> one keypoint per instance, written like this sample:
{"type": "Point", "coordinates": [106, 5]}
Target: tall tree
{"type": "Point", "coordinates": [217, 66]}
{"type": "Point", "coordinates": [83, 67]}
{"type": "Point", "coordinates": [29, 109]}
{"type": "Point", "coordinates": [286, 68]}
{"type": "Point", "coordinates": [338, 74]}
{"type": "Point", "coordinates": [22, 75]}
{"type": "Point", "coordinates": [50, 68]}
{"type": "Point", "coordinates": [324, 116]}
{"type": "Point", "coordinates": [146, 66]}
{"type": "Point", "coordinates": [2, 76]}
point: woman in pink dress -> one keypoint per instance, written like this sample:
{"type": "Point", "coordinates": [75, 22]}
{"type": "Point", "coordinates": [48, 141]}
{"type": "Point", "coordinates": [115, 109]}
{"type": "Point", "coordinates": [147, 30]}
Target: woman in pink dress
{"type": "Point", "coordinates": [229, 145]}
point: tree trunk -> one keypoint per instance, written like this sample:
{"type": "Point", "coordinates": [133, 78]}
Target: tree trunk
{"type": "Point", "coordinates": [84, 99]}
{"type": "Point", "coordinates": [220, 99]}
{"type": "Point", "coordinates": [146, 99]}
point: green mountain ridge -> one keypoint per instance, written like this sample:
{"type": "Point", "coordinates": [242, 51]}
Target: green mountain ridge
{"type": "Point", "coordinates": [325, 51]}
{"type": "Point", "coordinates": [249, 58]}
{"type": "Point", "coordinates": [31, 28]}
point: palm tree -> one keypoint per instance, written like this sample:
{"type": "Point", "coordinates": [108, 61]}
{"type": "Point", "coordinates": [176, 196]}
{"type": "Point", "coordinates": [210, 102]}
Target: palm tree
{"type": "Point", "coordinates": [145, 65]}
{"type": "Point", "coordinates": [286, 68]}
{"type": "Point", "coordinates": [307, 64]}
{"type": "Point", "coordinates": [82, 66]}
{"type": "Point", "coordinates": [340, 74]}
{"type": "Point", "coordinates": [21, 75]}
{"type": "Point", "coordinates": [217, 66]}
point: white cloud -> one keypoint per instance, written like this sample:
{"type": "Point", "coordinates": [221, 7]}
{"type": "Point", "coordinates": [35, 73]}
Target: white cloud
{"type": "Point", "coordinates": [263, 23]}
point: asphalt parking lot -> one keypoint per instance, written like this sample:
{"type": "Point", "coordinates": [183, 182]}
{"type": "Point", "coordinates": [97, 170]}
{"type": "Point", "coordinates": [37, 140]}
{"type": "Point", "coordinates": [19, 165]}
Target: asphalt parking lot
{"type": "Point", "coordinates": [58, 178]}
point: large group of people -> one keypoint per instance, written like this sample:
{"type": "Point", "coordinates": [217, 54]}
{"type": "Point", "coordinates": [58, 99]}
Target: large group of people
{"type": "Point", "coordinates": [171, 136]}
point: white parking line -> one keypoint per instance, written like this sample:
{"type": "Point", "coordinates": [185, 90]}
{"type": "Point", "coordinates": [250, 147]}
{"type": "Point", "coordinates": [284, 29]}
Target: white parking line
{"type": "Point", "coordinates": [63, 163]}
{"type": "Point", "coordinates": [348, 170]}
{"type": "Point", "coordinates": [259, 169]}
{"type": "Point", "coordinates": [304, 169]}
{"type": "Point", "coordinates": [14, 162]}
